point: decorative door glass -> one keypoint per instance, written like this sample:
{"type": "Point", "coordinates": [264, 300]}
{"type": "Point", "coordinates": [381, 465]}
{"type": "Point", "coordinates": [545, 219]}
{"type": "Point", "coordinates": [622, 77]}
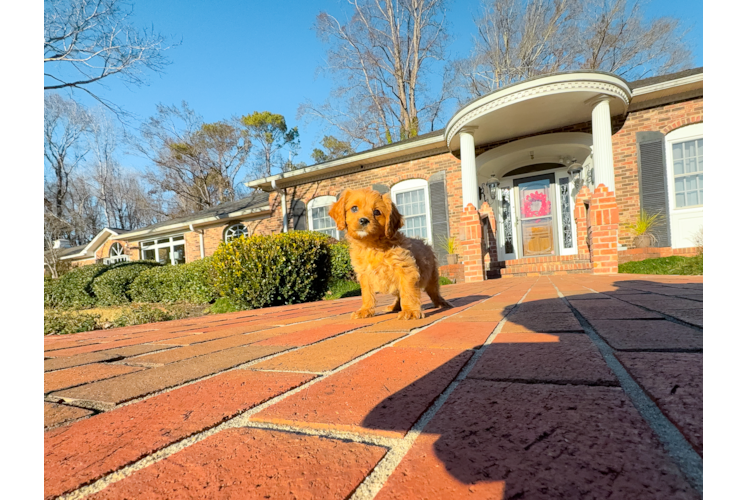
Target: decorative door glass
{"type": "Point", "coordinates": [536, 217]}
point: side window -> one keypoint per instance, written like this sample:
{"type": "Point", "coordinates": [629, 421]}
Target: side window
{"type": "Point", "coordinates": [412, 200]}
{"type": "Point", "coordinates": [688, 173]}
{"type": "Point", "coordinates": [319, 220]}
{"type": "Point", "coordinates": [235, 231]}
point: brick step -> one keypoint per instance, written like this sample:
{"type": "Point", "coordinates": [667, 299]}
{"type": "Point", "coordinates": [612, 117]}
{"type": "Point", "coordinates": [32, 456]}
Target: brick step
{"type": "Point", "coordinates": [559, 265]}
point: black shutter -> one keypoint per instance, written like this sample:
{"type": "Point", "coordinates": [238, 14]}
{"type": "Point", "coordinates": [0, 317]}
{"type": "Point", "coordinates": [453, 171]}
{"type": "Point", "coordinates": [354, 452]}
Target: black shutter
{"type": "Point", "coordinates": [653, 193]}
{"type": "Point", "coordinates": [381, 188]}
{"type": "Point", "coordinates": [298, 215]}
{"type": "Point", "coordinates": [439, 214]}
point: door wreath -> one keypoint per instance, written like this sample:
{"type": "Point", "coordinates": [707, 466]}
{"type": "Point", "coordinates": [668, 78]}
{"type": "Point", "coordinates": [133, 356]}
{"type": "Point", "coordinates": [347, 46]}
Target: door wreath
{"type": "Point", "coordinates": [543, 209]}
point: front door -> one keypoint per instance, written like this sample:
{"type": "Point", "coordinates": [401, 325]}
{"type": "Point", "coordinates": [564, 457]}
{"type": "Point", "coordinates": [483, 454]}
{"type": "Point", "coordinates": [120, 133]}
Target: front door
{"type": "Point", "coordinates": [535, 209]}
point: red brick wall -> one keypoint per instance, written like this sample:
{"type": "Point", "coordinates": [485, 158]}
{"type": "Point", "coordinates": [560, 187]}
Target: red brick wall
{"type": "Point", "coordinates": [663, 119]}
{"type": "Point", "coordinates": [389, 176]}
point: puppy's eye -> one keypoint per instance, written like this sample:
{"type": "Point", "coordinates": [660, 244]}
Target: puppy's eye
{"type": "Point", "coordinates": [377, 213]}
{"type": "Point", "coordinates": [354, 209]}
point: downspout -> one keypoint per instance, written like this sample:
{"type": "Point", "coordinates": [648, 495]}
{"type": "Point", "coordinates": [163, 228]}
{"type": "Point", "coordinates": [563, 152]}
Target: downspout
{"type": "Point", "coordinates": [202, 243]}
{"type": "Point", "coordinates": [283, 204]}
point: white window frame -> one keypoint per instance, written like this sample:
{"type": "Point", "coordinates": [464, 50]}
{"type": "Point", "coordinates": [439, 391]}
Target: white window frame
{"type": "Point", "coordinates": [144, 245]}
{"type": "Point", "coordinates": [413, 185]}
{"type": "Point", "coordinates": [321, 202]}
{"type": "Point", "coordinates": [680, 238]}
{"type": "Point", "coordinates": [114, 256]}
{"type": "Point", "coordinates": [234, 235]}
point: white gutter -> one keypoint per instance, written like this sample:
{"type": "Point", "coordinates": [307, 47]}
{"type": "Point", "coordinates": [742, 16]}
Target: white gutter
{"type": "Point", "coordinates": [349, 160]}
{"type": "Point", "coordinates": [185, 225]}
{"type": "Point", "coordinates": [202, 244]}
{"type": "Point", "coordinates": [686, 80]}
{"type": "Point", "coordinates": [283, 203]}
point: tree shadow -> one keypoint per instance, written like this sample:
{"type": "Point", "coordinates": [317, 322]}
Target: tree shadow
{"type": "Point", "coordinates": [539, 415]}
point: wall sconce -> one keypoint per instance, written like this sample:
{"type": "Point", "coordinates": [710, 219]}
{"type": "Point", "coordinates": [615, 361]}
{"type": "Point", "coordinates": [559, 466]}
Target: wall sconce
{"type": "Point", "coordinates": [575, 170]}
{"type": "Point", "coordinates": [493, 186]}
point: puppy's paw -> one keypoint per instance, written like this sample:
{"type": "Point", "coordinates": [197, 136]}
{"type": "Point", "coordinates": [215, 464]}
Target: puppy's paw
{"type": "Point", "coordinates": [394, 308]}
{"type": "Point", "coordinates": [444, 304]}
{"type": "Point", "coordinates": [363, 313]}
{"type": "Point", "coordinates": [410, 314]}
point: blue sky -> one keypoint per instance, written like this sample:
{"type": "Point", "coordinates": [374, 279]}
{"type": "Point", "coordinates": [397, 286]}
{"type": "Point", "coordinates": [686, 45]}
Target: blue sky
{"type": "Point", "coordinates": [237, 57]}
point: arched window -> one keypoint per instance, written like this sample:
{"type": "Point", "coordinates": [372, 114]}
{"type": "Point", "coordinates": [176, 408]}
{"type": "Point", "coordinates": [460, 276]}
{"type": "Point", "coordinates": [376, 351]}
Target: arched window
{"type": "Point", "coordinates": [412, 200]}
{"type": "Point", "coordinates": [116, 250]}
{"type": "Point", "coordinates": [319, 220]}
{"type": "Point", "coordinates": [235, 231]}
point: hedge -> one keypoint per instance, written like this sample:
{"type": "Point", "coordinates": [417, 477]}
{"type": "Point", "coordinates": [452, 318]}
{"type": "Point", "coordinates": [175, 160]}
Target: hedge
{"type": "Point", "coordinates": [111, 288]}
{"type": "Point", "coordinates": [73, 289]}
{"type": "Point", "coordinates": [341, 262]}
{"type": "Point", "coordinates": [262, 271]}
{"type": "Point", "coordinates": [190, 283]}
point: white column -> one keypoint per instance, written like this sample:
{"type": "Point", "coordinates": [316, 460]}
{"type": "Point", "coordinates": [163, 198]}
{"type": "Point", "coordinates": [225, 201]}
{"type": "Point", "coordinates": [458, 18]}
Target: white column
{"type": "Point", "coordinates": [602, 141]}
{"type": "Point", "coordinates": [469, 172]}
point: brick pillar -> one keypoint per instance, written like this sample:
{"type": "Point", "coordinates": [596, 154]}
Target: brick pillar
{"type": "Point", "coordinates": [580, 217]}
{"type": "Point", "coordinates": [603, 231]}
{"type": "Point", "coordinates": [470, 244]}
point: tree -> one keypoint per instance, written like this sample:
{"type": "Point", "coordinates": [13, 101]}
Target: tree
{"type": "Point", "coordinates": [335, 149]}
{"type": "Point", "coordinates": [382, 54]}
{"type": "Point", "coordinates": [521, 39]}
{"type": "Point", "coordinates": [270, 134]}
{"type": "Point", "coordinates": [196, 162]}
{"type": "Point", "coordinates": [65, 124]}
{"type": "Point", "coordinates": [87, 41]}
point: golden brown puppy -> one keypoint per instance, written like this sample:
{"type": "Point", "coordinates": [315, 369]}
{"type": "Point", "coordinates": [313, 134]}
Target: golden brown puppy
{"type": "Point", "coordinates": [385, 260]}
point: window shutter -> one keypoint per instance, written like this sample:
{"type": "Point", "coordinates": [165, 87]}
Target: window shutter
{"type": "Point", "coordinates": [439, 214]}
{"type": "Point", "coordinates": [298, 214]}
{"type": "Point", "coordinates": [653, 193]}
{"type": "Point", "coordinates": [381, 188]}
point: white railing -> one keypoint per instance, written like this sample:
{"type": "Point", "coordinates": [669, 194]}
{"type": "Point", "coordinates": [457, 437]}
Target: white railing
{"type": "Point", "coordinates": [118, 258]}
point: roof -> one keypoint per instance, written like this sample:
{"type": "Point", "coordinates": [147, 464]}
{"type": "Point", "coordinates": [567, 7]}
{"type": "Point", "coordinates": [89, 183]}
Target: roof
{"type": "Point", "coordinates": [429, 141]}
{"type": "Point", "coordinates": [645, 82]}
{"type": "Point", "coordinates": [254, 202]}
{"type": "Point", "coordinates": [64, 252]}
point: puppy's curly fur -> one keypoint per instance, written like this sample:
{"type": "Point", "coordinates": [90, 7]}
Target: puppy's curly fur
{"type": "Point", "coordinates": [384, 259]}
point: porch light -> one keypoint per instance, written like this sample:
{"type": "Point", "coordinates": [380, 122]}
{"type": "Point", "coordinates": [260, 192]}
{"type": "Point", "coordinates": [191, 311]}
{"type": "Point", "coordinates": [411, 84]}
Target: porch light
{"type": "Point", "coordinates": [493, 186]}
{"type": "Point", "coordinates": [574, 170]}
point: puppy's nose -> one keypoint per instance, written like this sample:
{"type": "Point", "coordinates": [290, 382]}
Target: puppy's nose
{"type": "Point", "coordinates": [363, 221]}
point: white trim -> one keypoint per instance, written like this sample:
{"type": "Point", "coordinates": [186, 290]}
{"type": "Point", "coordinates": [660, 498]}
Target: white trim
{"type": "Point", "coordinates": [88, 251]}
{"type": "Point", "coordinates": [319, 202]}
{"type": "Point", "coordinates": [412, 185]}
{"type": "Point", "coordinates": [234, 224]}
{"type": "Point", "coordinates": [170, 244]}
{"type": "Point", "coordinates": [554, 84]}
{"type": "Point", "coordinates": [354, 159]}
{"type": "Point", "coordinates": [678, 215]}
{"type": "Point", "coordinates": [686, 80]}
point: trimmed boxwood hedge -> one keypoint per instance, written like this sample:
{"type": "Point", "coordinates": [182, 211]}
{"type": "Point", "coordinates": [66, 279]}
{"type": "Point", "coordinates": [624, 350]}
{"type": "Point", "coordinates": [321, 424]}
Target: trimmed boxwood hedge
{"type": "Point", "coordinates": [111, 287]}
{"type": "Point", "coordinates": [73, 289]}
{"type": "Point", "coordinates": [278, 269]}
{"type": "Point", "coordinates": [190, 283]}
{"type": "Point", "coordinates": [341, 262]}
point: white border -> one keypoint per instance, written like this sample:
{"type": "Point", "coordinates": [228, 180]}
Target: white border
{"type": "Point", "coordinates": [412, 185]}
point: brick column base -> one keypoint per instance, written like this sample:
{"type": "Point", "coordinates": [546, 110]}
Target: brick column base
{"type": "Point", "coordinates": [470, 244]}
{"type": "Point", "coordinates": [580, 217]}
{"type": "Point", "coordinates": [602, 221]}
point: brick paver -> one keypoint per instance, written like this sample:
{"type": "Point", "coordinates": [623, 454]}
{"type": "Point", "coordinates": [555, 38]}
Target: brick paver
{"type": "Point", "coordinates": [538, 412]}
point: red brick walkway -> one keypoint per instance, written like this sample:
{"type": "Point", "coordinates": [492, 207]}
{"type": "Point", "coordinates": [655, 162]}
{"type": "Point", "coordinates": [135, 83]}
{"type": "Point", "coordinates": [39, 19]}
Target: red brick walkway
{"type": "Point", "coordinates": [552, 387]}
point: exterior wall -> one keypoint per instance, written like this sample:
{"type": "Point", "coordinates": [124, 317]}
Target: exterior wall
{"type": "Point", "coordinates": [130, 248]}
{"type": "Point", "coordinates": [213, 235]}
{"type": "Point", "coordinates": [388, 175]}
{"type": "Point", "coordinates": [663, 119]}
{"type": "Point", "coordinates": [637, 254]}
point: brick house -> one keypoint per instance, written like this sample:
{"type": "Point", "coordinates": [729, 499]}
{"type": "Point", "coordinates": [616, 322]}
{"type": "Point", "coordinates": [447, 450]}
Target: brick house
{"type": "Point", "coordinates": [539, 177]}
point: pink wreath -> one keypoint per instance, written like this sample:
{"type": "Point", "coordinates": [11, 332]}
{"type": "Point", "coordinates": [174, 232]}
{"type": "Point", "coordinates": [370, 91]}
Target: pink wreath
{"type": "Point", "coordinates": [537, 196]}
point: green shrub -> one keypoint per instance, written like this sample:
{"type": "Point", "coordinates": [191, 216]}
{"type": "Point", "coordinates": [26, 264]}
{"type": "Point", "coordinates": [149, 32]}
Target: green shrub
{"type": "Point", "coordinates": [443, 280]}
{"type": "Point", "coordinates": [191, 283]}
{"type": "Point", "coordinates": [73, 289]}
{"type": "Point", "coordinates": [138, 314]}
{"type": "Point", "coordinates": [223, 305]}
{"type": "Point", "coordinates": [263, 271]}
{"type": "Point", "coordinates": [111, 287]}
{"type": "Point", "coordinates": [57, 322]}
{"type": "Point", "coordinates": [341, 262]}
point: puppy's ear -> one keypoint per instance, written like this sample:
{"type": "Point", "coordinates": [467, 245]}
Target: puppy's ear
{"type": "Point", "coordinates": [392, 219]}
{"type": "Point", "coordinates": [337, 210]}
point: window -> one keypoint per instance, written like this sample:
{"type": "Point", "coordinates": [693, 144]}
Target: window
{"type": "Point", "coordinates": [688, 173]}
{"type": "Point", "coordinates": [235, 231]}
{"type": "Point", "coordinates": [165, 250]}
{"type": "Point", "coordinates": [317, 211]}
{"type": "Point", "coordinates": [412, 200]}
{"type": "Point", "coordinates": [116, 250]}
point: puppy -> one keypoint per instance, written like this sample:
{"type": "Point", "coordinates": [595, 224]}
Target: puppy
{"type": "Point", "coordinates": [384, 259]}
